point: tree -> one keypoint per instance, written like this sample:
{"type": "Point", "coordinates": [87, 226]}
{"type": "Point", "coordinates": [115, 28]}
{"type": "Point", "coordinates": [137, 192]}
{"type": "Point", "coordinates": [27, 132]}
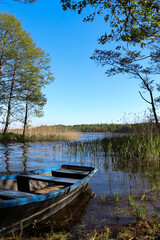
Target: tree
{"type": "Point", "coordinates": [34, 107]}
{"type": "Point", "coordinates": [19, 56]}
{"type": "Point", "coordinates": [23, 1]}
{"type": "Point", "coordinates": [130, 20]}
{"type": "Point", "coordinates": [130, 62]}
{"type": "Point", "coordinates": [131, 23]}
{"type": "Point", "coordinates": [34, 78]}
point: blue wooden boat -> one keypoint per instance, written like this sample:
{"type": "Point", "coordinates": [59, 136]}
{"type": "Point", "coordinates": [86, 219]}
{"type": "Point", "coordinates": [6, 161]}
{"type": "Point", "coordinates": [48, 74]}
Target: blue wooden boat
{"type": "Point", "coordinates": [36, 195]}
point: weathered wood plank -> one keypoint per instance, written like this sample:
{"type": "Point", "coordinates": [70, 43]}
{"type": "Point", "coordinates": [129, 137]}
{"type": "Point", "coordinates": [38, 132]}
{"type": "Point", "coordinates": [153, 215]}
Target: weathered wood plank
{"type": "Point", "coordinates": [8, 194]}
{"type": "Point", "coordinates": [69, 173]}
{"type": "Point", "coordinates": [48, 189]}
{"type": "Point", "coordinates": [23, 181]}
{"type": "Point", "coordinates": [48, 178]}
{"type": "Point", "coordinates": [80, 168]}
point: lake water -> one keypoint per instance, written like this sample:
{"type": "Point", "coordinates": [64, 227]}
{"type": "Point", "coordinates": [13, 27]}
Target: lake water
{"type": "Point", "coordinates": [111, 182]}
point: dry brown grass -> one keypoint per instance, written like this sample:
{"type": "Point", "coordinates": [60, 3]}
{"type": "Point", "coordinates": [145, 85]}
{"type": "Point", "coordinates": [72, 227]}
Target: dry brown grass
{"type": "Point", "coordinates": [49, 132]}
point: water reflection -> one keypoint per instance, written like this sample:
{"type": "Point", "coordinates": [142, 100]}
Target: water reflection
{"type": "Point", "coordinates": [65, 219]}
{"type": "Point", "coordinates": [114, 175]}
{"type": "Point", "coordinates": [7, 154]}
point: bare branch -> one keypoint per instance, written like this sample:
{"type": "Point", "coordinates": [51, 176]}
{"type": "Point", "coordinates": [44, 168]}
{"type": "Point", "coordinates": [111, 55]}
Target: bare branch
{"type": "Point", "coordinates": [144, 98]}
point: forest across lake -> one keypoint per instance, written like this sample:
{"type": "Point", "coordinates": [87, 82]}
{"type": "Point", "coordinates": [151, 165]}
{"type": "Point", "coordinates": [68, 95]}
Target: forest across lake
{"type": "Point", "coordinates": [68, 132]}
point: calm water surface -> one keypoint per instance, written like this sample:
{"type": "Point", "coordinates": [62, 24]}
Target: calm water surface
{"type": "Point", "coordinates": [108, 182]}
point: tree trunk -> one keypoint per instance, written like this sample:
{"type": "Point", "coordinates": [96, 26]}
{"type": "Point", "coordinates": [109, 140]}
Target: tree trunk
{"type": "Point", "coordinates": [154, 112]}
{"type": "Point", "coordinates": [152, 103]}
{"type": "Point", "coordinates": [9, 104]}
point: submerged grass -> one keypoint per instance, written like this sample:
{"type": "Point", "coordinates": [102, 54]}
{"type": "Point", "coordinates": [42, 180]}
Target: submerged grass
{"type": "Point", "coordinates": [138, 208]}
{"type": "Point", "coordinates": [141, 147]}
{"type": "Point", "coordinates": [137, 153]}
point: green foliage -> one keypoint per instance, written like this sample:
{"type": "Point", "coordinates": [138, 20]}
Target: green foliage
{"type": "Point", "coordinates": [25, 1]}
{"type": "Point", "coordinates": [10, 137]}
{"type": "Point", "coordinates": [137, 147]}
{"type": "Point", "coordinates": [24, 72]}
{"type": "Point", "coordinates": [138, 208]}
{"type": "Point", "coordinates": [103, 128]}
{"type": "Point", "coordinates": [131, 20]}
{"type": "Point", "coordinates": [116, 201]}
{"type": "Point", "coordinates": [137, 153]}
{"type": "Point", "coordinates": [132, 23]}
{"type": "Point", "coordinates": [142, 65]}
{"type": "Point", "coordinates": [113, 128]}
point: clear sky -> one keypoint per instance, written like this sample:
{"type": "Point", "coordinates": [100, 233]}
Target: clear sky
{"type": "Point", "coordinates": [81, 92]}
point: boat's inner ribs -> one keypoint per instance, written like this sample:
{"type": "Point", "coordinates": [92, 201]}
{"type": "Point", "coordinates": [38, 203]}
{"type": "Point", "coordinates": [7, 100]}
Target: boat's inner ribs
{"type": "Point", "coordinates": [24, 185]}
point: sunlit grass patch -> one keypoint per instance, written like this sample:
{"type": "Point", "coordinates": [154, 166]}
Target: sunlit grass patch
{"type": "Point", "coordinates": [43, 133]}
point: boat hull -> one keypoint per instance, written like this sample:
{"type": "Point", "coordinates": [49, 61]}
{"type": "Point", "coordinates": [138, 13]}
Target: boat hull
{"type": "Point", "coordinates": [21, 216]}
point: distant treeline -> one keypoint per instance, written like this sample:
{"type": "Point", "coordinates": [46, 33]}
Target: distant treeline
{"type": "Point", "coordinates": [103, 127]}
{"type": "Point", "coordinates": [63, 132]}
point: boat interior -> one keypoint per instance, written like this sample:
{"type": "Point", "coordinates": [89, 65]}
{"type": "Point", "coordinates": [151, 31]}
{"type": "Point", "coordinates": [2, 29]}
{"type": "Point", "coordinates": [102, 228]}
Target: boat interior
{"type": "Point", "coordinates": [41, 182]}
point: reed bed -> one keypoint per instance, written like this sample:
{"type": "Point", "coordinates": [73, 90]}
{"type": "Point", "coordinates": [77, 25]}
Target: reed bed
{"type": "Point", "coordinates": [42, 133]}
{"type": "Point", "coordinates": [137, 152]}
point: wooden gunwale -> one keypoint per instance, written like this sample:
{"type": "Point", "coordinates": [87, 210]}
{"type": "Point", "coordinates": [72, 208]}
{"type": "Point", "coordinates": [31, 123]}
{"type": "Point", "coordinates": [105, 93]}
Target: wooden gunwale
{"type": "Point", "coordinates": [38, 205]}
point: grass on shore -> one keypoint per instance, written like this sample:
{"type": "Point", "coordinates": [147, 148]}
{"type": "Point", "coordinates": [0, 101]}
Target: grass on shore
{"type": "Point", "coordinates": [141, 230]}
{"type": "Point", "coordinates": [43, 133]}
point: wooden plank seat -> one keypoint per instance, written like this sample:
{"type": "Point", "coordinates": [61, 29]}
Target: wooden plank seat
{"type": "Point", "coordinates": [69, 173]}
{"type": "Point", "coordinates": [78, 168]}
{"type": "Point", "coordinates": [9, 194]}
{"type": "Point", "coordinates": [23, 181]}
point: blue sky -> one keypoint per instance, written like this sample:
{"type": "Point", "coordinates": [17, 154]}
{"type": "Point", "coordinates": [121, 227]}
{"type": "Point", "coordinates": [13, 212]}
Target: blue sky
{"type": "Point", "coordinates": [81, 92]}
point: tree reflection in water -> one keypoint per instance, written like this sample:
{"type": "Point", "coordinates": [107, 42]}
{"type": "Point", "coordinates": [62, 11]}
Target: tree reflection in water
{"type": "Point", "coordinates": [115, 177]}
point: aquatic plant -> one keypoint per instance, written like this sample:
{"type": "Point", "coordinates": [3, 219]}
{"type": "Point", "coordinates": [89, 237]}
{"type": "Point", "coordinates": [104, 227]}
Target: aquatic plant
{"type": "Point", "coordinates": [116, 201]}
{"type": "Point", "coordinates": [138, 208]}
{"type": "Point", "coordinates": [103, 198]}
{"type": "Point", "coordinates": [140, 211]}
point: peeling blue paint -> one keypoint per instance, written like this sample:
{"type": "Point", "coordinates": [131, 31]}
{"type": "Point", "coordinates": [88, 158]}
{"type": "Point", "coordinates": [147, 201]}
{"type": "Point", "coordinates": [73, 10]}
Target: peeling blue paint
{"type": "Point", "coordinates": [41, 197]}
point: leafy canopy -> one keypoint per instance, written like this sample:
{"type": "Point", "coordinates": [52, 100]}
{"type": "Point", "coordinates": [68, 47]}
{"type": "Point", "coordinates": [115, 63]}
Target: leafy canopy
{"type": "Point", "coordinates": [24, 71]}
{"type": "Point", "coordinates": [135, 27]}
{"type": "Point", "coordinates": [133, 21]}
{"type": "Point", "coordinates": [25, 1]}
